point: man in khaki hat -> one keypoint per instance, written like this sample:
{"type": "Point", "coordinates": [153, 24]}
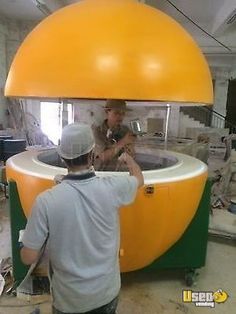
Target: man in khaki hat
{"type": "Point", "coordinates": [80, 220]}
{"type": "Point", "coordinates": [112, 137]}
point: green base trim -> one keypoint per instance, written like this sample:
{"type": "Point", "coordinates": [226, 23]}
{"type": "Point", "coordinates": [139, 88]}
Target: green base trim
{"type": "Point", "coordinates": [17, 222]}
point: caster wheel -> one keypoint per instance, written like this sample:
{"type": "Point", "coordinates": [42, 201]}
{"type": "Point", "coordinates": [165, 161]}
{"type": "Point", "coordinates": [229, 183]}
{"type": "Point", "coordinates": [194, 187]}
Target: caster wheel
{"type": "Point", "coordinates": [190, 277]}
{"type": "Point", "coordinates": [189, 280]}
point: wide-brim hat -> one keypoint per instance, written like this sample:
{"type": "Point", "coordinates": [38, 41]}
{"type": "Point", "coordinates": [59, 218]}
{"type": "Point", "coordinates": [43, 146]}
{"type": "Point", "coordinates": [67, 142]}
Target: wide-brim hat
{"type": "Point", "coordinates": [76, 140]}
{"type": "Point", "coordinates": [116, 104]}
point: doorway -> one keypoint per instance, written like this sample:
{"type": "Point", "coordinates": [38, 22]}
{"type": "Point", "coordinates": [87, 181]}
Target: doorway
{"type": "Point", "coordinates": [53, 116]}
{"type": "Point", "coordinates": [231, 103]}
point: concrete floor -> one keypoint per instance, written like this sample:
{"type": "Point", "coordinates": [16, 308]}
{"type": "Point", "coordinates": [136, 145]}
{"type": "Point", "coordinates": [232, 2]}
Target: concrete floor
{"type": "Point", "coordinates": [150, 293]}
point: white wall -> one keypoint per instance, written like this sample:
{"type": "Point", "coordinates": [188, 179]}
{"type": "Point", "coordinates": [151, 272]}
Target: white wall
{"type": "Point", "coordinates": [223, 69]}
{"type": "Point", "coordinates": [3, 71]}
{"type": "Point", "coordinates": [12, 34]}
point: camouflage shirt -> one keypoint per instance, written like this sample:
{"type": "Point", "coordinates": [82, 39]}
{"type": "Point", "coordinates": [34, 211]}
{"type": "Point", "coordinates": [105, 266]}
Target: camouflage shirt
{"type": "Point", "coordinates": [105, 139]}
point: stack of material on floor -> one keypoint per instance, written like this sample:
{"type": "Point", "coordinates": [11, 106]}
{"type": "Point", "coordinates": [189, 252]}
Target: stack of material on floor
{"type": "Point", "coordinates": [6, 279]}
{"type": "Point", "coordinates": [223, 223]}
{"type": "Point", "coordinates": [222, 171]}
{"type": "Point", "coordinates": [232, 187]}
{"type": "Point", "coordinates": [193, 133]}
{"type": "Point", "coordinates": [5, 242]}
{"type": "Point", "coordinates": [219, 169]}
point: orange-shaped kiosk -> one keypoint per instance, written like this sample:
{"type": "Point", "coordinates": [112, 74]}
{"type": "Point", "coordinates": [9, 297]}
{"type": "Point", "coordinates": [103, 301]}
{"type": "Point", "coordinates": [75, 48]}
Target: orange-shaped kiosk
{"type": "Point", "coordinates": [120, 49]}
{"type": "Point", "coordinates": [162, 210]}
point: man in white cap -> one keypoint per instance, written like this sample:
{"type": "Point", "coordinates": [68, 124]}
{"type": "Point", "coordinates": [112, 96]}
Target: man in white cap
{"type": "Point", "coordinates": [112, 137]}
{"type": "Point", "coordinates": [80, 220]}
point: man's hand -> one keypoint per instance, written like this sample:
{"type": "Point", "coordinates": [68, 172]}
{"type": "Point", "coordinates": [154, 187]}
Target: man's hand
{"type": "Point", "coordinates": [126, 158]}
{"type": "Point", "coordinates": [133, 167]}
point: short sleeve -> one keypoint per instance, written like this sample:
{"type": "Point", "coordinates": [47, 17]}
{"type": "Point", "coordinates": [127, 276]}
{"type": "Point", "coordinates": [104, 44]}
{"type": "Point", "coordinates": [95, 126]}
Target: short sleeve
{"type": "Point", "coordinates": [125, 190]}
{"type": "Point", "coordinates": [36, 231]}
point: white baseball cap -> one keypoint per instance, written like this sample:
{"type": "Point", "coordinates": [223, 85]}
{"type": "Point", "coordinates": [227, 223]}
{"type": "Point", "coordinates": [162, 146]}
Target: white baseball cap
{"type": "Point", "coordinates": [76, 140]}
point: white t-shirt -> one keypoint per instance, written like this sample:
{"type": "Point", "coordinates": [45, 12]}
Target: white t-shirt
{"type": "Point", "coordinates": [82, 221]}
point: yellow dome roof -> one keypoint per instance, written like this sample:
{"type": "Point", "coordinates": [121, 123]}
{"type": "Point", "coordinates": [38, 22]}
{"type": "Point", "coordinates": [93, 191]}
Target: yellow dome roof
{"type": "Point", "coordinates": [101, 49]}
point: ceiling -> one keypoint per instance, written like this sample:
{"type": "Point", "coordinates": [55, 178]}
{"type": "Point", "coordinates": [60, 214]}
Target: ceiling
{"type": "Point", "coordinates": [212, 15]}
